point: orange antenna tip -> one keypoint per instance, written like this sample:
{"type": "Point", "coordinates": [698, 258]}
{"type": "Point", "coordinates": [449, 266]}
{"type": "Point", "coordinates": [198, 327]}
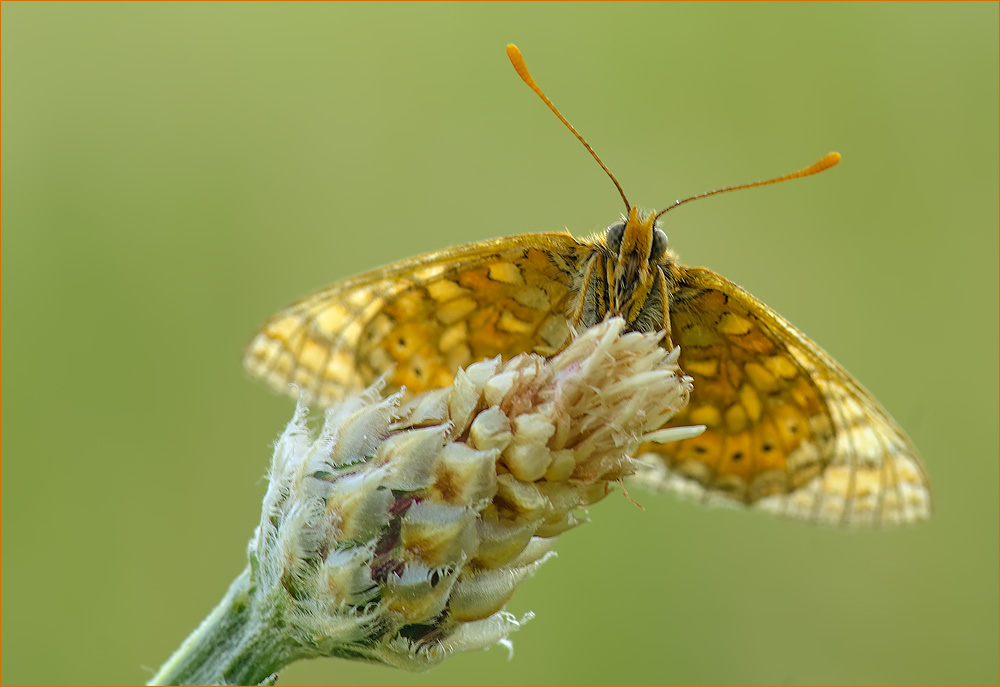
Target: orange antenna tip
{"type": "Point", "coordinates": [828, 161]}
{"type": "Point", "coordinates": [515, 59]}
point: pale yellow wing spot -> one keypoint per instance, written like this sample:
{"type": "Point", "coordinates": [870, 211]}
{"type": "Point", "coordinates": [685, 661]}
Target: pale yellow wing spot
{"type": "Point", "coordinates": [506, 273]}
{"type": "Point", "coordinates": [788, 430]}
{"type": "Point", "coordinates": [421, 319]}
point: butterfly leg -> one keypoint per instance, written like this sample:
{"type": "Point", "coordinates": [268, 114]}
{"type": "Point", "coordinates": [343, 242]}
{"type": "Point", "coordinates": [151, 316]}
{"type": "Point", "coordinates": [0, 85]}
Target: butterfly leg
{"type": "Point", "coordinates": [609, 279]}
{"type": "Point", "coordinates": [665, 302]}
{"type": "Point", "coordinates": [579, 311]}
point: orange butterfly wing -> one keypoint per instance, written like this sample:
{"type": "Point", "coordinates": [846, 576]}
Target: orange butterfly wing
{"type": "Point", "coordinates": [788, 429]}
{"type": "Point", "coordinates": [422, 318]}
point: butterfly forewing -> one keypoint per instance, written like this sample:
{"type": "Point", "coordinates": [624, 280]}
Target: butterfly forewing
{"type": "Point", "coordinates": [787, 429]}
{"type": "Point", "coordinates": [420, 320]}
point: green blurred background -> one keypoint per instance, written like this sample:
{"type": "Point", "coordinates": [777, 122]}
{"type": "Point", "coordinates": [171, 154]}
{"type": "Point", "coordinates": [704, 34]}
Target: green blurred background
{"type": "Point", "coordinates": [174, 173]}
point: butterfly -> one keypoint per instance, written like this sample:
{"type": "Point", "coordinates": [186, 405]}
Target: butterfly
{"type": "Point", "coordinates": [788, 430]}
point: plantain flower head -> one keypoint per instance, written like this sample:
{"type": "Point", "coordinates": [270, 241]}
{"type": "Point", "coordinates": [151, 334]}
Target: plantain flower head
{"type": "Point", "coordinates": [399, 530]}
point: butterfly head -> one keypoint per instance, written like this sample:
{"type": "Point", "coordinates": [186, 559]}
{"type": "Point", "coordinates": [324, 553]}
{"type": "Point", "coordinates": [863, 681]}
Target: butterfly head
{"type": "Point", "coordinates": [637, 246]}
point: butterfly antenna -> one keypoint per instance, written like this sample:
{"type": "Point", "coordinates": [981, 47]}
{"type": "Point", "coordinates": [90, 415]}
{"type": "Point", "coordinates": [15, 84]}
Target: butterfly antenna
{"type": "Point", "coordinates": [826, 163]}
{"type": "Point", "coordinates": [522, 70]}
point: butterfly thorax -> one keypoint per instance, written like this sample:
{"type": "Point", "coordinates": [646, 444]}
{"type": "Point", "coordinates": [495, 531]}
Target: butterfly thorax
{"type": "Point", "coordinates": [628, 276]}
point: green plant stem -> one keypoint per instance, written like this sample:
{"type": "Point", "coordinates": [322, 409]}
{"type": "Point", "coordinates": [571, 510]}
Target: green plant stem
{"type": "Point", "coordinates": [234, 645]}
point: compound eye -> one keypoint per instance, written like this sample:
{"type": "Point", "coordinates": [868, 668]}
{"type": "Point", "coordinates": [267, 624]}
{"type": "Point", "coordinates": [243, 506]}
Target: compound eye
{"type": "Point", "coordinates": [615, 233]}
{"type": "Point", "coordinates": [659, 245]}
